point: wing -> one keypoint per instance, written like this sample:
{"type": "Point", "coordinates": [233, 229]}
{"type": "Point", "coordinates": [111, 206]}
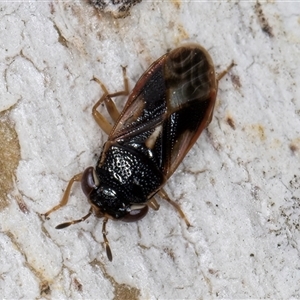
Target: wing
{"type": "Point", "coordinates": [169, 107]}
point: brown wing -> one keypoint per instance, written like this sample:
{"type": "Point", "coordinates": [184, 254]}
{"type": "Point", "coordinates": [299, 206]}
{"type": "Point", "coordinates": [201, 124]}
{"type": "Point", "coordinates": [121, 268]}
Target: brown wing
{"type": "Point", "coordinates": [169, 107]}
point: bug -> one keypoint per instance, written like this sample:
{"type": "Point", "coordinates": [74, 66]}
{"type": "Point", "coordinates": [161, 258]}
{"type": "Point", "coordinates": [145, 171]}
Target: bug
{"type": "Point", "coordinates": [165, 113]}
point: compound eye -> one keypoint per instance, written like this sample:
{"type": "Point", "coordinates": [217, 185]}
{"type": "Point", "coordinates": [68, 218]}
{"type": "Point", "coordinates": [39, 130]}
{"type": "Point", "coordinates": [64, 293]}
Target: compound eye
{"type": "Point", "coordinates": [136, 214]}
{"type": "Point", "coordinates": [89, 181]}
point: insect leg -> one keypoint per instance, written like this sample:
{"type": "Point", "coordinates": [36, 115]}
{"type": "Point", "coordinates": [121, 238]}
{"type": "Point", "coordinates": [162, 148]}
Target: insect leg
{"type": "Point", "coordinates": [219, 77]}
{"type": "Point", "coordinates": [65, 198]}
{"type": "Point", "coordinates": [110, 105]}
{"type": "Point", "coordinates": [223, 73]}
{"type": "Point", "coordinates": [165, 196]}
{"type": "Point", "coordinates": [101, 121]}
{"type": "Point", "coordinates": [153, 204]}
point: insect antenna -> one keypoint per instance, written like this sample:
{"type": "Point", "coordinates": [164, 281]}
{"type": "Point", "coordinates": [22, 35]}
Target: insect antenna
{"type": "Point", "coordinates": [64, 225]}
{"type": "Point", "coordinates": [107, 248]}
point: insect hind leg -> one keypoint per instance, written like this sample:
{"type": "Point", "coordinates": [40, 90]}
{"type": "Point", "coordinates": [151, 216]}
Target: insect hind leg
{"type": "Point", "coordinates": [224, 72]}
{"type": "Point", "coordinates": [218, 78]}
{"type": "Point", "coordinates": [165, 196]}
{"type": "Point", "coordinates": [109, 104]}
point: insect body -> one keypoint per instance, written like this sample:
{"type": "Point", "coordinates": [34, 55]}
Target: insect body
{"type": "Point", "coordinates": [164, 115]}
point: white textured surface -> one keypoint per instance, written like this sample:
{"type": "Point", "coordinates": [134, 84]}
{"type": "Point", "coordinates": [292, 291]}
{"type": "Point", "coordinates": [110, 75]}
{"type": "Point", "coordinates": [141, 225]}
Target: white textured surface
{"type": "Point", "coordinates": [240, 188]}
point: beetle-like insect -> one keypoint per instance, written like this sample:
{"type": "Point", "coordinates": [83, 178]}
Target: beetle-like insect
{"type": "Point", "coordinates": [164, 115]}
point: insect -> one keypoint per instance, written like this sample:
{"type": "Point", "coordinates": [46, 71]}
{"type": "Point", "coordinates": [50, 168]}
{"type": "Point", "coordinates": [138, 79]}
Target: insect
{"type": "Point", "coordinates": [164, 115]}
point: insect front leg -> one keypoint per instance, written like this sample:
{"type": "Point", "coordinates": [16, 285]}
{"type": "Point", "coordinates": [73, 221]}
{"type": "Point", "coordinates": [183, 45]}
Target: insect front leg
{"type": "Point", "coordinates": [65, 198]}
{"type": "Point", "coordinates": [109, 104]}
{"type": "Point", "coordinates": [165, 196]}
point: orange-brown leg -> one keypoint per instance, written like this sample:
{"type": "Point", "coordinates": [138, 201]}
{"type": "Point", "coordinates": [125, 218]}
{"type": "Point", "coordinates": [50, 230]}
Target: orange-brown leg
{"type": "Point", "coordinates": [66, 195]}
{"type": "Point", "coordinates": [153, 204]}
{"type": "Point", "coordinates": [109, 104]}
{"type": "Point", "coordinates": [165, 196]}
